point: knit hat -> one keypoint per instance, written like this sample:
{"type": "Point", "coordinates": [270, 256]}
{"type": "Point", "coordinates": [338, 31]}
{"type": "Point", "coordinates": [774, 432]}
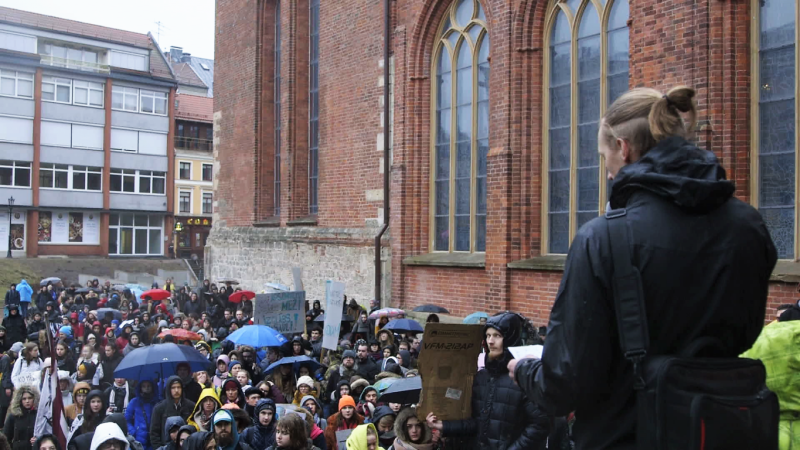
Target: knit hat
{"type": "Point", "coordinates": [305, 379]}
{"type": "Point", "coordinates": [115, 321]}
{"type": "Point", "coordinates": [348, 354]}
{"type": "Point", "coordinates": [66, 330]}
{"type": "Point", "coordinates": [163, 324]}
{"type": "Point", "coordinates": [346, 400]}
{"type": "Point", "coordinates": [203, 344]}
{"type": "Point", "coordinates": [17, 347]}
{"type": "Point", "coordinates": [233, 363]}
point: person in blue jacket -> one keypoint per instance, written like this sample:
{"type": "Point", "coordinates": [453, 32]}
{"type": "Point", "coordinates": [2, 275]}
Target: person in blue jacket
{"type": "Point", "coordinates": [140, 412]}
{"type": "Point", "coordinates": [25, 294]}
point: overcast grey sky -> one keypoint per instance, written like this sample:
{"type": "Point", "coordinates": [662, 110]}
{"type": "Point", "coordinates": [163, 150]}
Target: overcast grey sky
{"type": "Point", "coordinates": [184, 23]}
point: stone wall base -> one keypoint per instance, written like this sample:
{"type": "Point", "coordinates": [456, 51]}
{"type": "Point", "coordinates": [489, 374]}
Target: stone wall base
{"type": "Point", "coordinates": [255, 256]}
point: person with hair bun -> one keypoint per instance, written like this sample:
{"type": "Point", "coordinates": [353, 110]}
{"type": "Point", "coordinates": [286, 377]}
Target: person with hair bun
{"type": "Point", "coordinates": [704, 257]}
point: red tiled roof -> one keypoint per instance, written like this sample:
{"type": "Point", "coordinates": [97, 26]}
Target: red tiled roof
{"type": "Point", "coordinates": [195, 108]}
{"type": "Point", "coordinates": [158, 66]}
{"type": "Point", "coordinates": [186, 75]}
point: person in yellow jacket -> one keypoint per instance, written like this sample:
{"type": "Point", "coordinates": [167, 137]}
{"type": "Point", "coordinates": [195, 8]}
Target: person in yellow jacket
{"type": "Point", "coordinates": [364, 437]}
{"type": "Point", "coordinates": [776, 347]}
{"type": "Point", "coordinates": [204, 409]}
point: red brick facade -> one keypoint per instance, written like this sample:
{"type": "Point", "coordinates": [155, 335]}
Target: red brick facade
{"type": "Point", "coordinates": [705, 44]}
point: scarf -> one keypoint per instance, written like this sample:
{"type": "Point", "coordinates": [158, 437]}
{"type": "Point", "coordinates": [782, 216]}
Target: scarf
{"type": "Point", "coordinates": [123, 391]}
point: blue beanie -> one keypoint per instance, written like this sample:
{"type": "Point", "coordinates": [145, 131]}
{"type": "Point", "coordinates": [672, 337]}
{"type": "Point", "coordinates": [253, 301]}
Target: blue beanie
{"type": "Point", "coordinates": [115, 321]}
{"type": "Point", "coordinates": [66, 330]}
{"type": "Point", "coordinates": [233, 363]}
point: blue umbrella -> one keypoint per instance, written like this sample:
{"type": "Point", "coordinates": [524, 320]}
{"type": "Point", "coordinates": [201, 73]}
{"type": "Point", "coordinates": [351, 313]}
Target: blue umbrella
{"type": "Point", "coordinates": [159, 360]}
{"type": "Point", "coordinates": [475, 317]}
{"type": "Point", "coordinates": [404, 325]}
{"type": "Point", "coordinates": [257, 336]}
{"type": "Point", "coordinates": [296, 362]}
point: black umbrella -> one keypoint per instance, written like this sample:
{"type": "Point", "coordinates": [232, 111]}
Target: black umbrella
{"type": "Point", "coordinates": [102, 313]}
{"type": "Point", "coordinates": [405, 391]}
{"type": "Point", "coordinates": [345, 318]}
{"type": "Point", "coordinates": [431, 309]}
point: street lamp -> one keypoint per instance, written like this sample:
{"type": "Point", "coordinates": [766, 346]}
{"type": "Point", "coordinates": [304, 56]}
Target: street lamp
{"type": "Point", "coordinates": [10, 209]}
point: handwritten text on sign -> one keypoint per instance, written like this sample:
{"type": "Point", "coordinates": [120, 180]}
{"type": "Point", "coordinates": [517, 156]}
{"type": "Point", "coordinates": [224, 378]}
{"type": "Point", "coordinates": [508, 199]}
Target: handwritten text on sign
{"type": "Point", "coordinates": [334, 300]}
{"type": "Point", "coordinates": [282, 311]}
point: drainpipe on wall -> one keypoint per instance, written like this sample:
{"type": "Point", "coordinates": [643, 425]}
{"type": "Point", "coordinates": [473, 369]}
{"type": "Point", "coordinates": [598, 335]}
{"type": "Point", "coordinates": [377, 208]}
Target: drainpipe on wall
{"type": "Point", "coordinates": [387, 17]}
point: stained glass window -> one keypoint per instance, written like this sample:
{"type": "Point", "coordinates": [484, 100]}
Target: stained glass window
{"type": "Point", "coordinates": [577, 95]}
{"type": "Point", "coordinates": [776, 122]}
{"type": "Point", "coordinates": [461, 141]}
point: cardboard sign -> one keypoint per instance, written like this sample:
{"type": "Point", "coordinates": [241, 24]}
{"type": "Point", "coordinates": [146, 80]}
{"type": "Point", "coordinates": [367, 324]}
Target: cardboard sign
{"type": "Point", "coordinates": [334, 300]}
{"type": "Point", "coordinates": [297, 275]}
{"type": "Point", "coordinates": [447, 367]}
{"type": "Point", "coordinates": [281, 311]}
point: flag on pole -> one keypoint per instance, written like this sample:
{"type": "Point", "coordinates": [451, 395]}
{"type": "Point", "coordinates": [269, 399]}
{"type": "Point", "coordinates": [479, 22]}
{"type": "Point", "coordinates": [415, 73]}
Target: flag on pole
{"type": "Point", "coordinates": [50, 415]}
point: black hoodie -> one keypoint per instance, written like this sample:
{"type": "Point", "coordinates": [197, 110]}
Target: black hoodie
{"type": "Point", "coordinates": [705, 260]}
{"type": "Point", "coordinates": [165, 409]}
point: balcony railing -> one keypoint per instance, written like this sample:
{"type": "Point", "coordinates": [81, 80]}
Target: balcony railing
{"type": "Point", "coordinates": [189, 143]}
{"type": "Point", "coordinates": [73, 64]}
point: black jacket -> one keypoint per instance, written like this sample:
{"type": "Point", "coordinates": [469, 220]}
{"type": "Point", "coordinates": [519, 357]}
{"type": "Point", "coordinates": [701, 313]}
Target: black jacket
{"type": "Point", "coordinates": [165, 409]}
{"type": "Point", "coordinates": [12, 297]}
{"type": "Point", "coordinates": [502, 416]}
{"type": "Point", "coordinates": [16, 330]}
{"type": "Point", "coordinates": [705, 260]}
{"type": "Point", "coordinates": [367, 369]}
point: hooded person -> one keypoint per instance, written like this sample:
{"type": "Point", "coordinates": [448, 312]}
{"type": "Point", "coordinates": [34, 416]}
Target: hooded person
{"type": "Point", "coordinates": [169, 435]}
{"type": "Point", "coordinates": [184, 433]}
{"type": "Point", "coordinates": [502, 415]}
{"type": "Point", "coordinates": [412, 434]}
{"type": "Point", "coordinates": [140, 411]}
{"type": "Point", "coordinates": [87, 372]}
{"type": "Point", "coordinates": [79, 392]}
{"type": "Point", "coordinates": [405, 357]}
{"type": "Point", "coordinates": [367, 402]}
{"type": "Point", "coordinates": [25, 294]}
{"type": "Point", "coordinates": [704, 259]}
{"type": "Point", "coordinates": [21, 417]}
{"type": "Point", "coordinates": [346, 419]}
{"type": "Point", "coordinates": [312, 405]}
{"type": "Point", "coordinates": [16, 329]}
{"type": "Point", "coordinates": [191, 388]}
{"type": "Point", "coordinates": [262, 433]}
{"type": "Point", "coordinates": [198, 441]}
{"type": "Point", "coordinates": [134, 342]}
{"type": "Point", "coordinates": [94, 411]}
{"type": "Point", "coordinates": [222, 374]}
{"type": "Point", "coordinates": [65, 385]}
{"type": "Point", "coordinates": [204, 410]}
{"type": "Point", "coordinates": [106, 432]}
{"type": "Point", "coordinates": [173, 405]}
{"type": "Point", "coordinates": [383, 419]}
{"type": "Point", "coordinates": [231, 392]}
{"type": "Point", "coordinates": [363, 437]}
{"type": "Point", "coordinates": [46, 441]}
{"type": "Point", "coordinates": [226, 433]}
{"type": "Point", "coordinates": [119, 419]}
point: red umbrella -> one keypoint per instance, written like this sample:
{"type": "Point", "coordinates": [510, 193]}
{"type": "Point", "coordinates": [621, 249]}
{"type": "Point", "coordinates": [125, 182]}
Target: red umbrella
{"type": "Point", "coordinates": [236, 297]}
{"type": "Point", "coordinates": [155, 294]}
{"type": "Point", "coordinates": [181, 335]}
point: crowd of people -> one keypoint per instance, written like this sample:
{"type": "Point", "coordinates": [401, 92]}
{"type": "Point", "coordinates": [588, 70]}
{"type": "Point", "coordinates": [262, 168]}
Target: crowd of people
{"type": "Point", "coordinates": [244, 399]}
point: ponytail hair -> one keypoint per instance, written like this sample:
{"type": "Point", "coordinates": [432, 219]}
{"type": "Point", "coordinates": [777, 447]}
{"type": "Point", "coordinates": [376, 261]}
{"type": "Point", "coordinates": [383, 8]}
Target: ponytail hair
{"type": "Point", "coordinates": [644, 117]}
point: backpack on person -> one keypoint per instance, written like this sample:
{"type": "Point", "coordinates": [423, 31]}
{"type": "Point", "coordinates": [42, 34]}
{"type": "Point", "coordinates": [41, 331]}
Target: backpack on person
{"type": "Point", "coordinates": [686, 401]}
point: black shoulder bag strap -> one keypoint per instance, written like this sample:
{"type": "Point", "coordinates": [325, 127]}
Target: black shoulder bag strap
{"type": "Point", "coordinates": [628, 295]}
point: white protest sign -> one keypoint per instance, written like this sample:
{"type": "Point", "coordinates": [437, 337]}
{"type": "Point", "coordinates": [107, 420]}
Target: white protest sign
{"type": "Point", "coordinates": [334, 299]}
{"type": "Point", "coordinates": [281, 311]}
{"type": "Point", "coordinates": [32, 378]}
{"type": "Point", "coordinates": [297, 274]}
{"type": "Point", "coordinates": [527, 351]}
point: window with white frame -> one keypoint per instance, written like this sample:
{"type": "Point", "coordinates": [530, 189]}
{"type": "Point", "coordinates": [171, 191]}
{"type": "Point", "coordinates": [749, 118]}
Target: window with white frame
{"type": "Point", "coordinates": [208, 202]}
{"type": "Point", "coordinates": [135, 234]}
{"type": "Point", "coordinates": [185, 202]}
{"type": "Point", "coordinates": [87, 93]}
{"type": "Point", "coordinates": [71, 57]}
{"type": "Point", "coordinates": [57, 89]}
{"type": "Point", "coordinates": [153, 102]}
{"type": "Point", "coordinates": [125, 98]}
{"type": "Point", "coordinates": [16, 84]}
{"type": "Point", "coordinates": [185, 172]}
{"type": "Point", "coordinates": [17, 42]}
{"type": "Point", "coordinates": [151, 182]}
{"type": "Point", "coordinates": [127, 60]}
{"type": "Point", "coordinates": [15, 173]}
{"type": "Point", "coordinates": [76, 178]}
{"type": "Point", "coordinates": [123, 180]}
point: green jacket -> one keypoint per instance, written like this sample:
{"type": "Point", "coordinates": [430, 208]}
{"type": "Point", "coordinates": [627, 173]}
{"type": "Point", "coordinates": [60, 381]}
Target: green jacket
{"type": "Point", "coordinates": [776, 347]}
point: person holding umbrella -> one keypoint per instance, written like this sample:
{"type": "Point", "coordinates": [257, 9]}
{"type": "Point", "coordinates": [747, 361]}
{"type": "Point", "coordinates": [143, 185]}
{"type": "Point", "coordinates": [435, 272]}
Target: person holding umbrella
{"type": "Point", "coordinates": [139, 412]}
{"type": "Point", "coordinates": [173, 405]}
